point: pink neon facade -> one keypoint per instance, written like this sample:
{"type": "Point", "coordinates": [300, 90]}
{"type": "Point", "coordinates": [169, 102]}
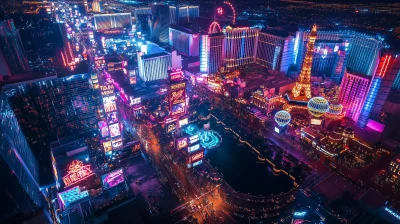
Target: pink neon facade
{"type": "Point", "coordinates": [353, 91]}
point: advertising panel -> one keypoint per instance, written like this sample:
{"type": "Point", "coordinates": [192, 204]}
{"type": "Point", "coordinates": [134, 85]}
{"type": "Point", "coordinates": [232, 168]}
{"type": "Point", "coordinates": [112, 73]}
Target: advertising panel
{"type": "Point", "coordinates": [116, 142]}
{"type": "Point", "coordinates": [77, 172]}
{"type": "Point", "coordinates": [114, 130]}
{"type": "Point", "coordinates": [183, 122]}
{"type": "Point", "coordinates": [135, 146]}
{"type": "Point", "coordinates": [107, 147]}
{"type": "Point", "coordinates": [171, 127]}
{"type": "Point", "coordinates": [134, 101]}
{"type": "Point", "coordinates": [315, 121]}
{"type": "Point", "coordinates": [109, 104]}
{"type": "Point", "coordinates": [103, 129]}
{"type": "Point", "coordinates": [112, 118]}
{"type": "Point", "coordinates": [177, 96]}
{"type": "Point", "coordinates": [107, 90]}
{"type": "Point", "coordinates": [181, 143]}
{"type": "Point", "coordinates": [193, 139]}
{"type": "Point", "coordinates": [195, 157]}
{"type": "Point", "coordinates": [175, 74]}
{"type": "Point", "coordinates": [178, 109]}
{"type": "Point", "coordinates": [112, 179]}
{"type": "Point", "coordinates": [194, 148]}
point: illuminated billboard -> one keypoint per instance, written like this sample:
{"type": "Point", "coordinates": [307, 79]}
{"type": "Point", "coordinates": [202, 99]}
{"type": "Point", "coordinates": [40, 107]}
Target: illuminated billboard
{"type": "Point", "coordinates": [175, 74]}
{"type": "Point", "coordinates": [193, 139]}
{"type": "Point", "coordinates": [177, 98]}
{"type": "Point", "coordinates": [136, 146]}
{"type": "Point", "coordinates": [181, 143]}
{"type": "Point", "coordinates": [315, 121]}
{"type": "Point", "coordinates": [109, 104]}
{"type": "Point", "coordinates": [112, 179]}
{"type": "Point", "coordinates": [134, 101]}
{"type": "Point", "coordinates": [178, 109]}
{"type": "Point", "coordinates": [171, 127]}
{"type": "Point", "coordinates": [107, 147]}
{"type": "Point", "coordinates": [107, 90]}
{"type": "Point", "coordinates": [70, 196]}
{"type": "Point", "coordinates": [116, 142]}
{"type": "Point", "coordinates": [76, 173]}
{"type": "Point", "coordinates": [114, 130]}
{"type": "Point", "coordinates": [195, 157]}
{"type": "Point", "coordinates": [112, 118]}
{"type": "Point", "coordinates": [194, 148]}
{"type": "Point", "coordinates": [103, 129]}
{"type": "Point", "coordinates": [183, 122]}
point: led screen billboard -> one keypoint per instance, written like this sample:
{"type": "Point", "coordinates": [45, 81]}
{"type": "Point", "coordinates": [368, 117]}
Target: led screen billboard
{"type": "Point", "coordinates": [112, 118]}
{"type": "Point", "coordinates": [181, 143]}
{"type": "Point", "coordinates": [112, 179]}
{"type": "Point", "coordinates": [116, 142]}
{"type": "Point", "coordinates": [109, 104]}
{"type": "Point", "coordinates": [103, 129]}
{"type": "Point", "coordinates": [114, 130]}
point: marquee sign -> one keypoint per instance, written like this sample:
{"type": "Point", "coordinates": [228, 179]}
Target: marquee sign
{"type": "Point", "coordinates": [107, 90]}
{"type": "Point", "coordinates": [76, 173]}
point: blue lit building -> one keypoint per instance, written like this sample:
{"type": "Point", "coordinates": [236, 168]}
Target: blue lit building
{"type": "Point", "coordinates": [211, 52]}
{"type": "Point", "coordinates": [16, 152]}
{"type": "Point", "coordinates": [188, 13]}
{"type": "Point", "coordinates": [363, 50]}
{"type": "Point", "coordinates": [379, 89]}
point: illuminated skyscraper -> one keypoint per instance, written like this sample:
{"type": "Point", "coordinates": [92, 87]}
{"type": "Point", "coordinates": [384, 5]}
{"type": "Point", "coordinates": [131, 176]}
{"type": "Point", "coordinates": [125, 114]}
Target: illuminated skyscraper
{"type": "Point", "coordinates": [303, 86]}
{"type": "Point", "coordinates": [162, 17]}
{"type": "Point", "coordinates": [12, 48]}
{"type": "Point", "coordinates": [112, 21]}
{"type": "Point", "coordinates": [270, 49]}
{"type": "Point", "coordinates": [184, 40]}
{"type": "Point", "coordinates": [363, 50]}
{"type": "Point", "coordinates": [353, 90]}
{"type": "Point", "coordinates": [396, 83]}
{"type": "Point", "coordinates": [379, 89]}
{"type": "Point", "coordinates": [188, 12]}
{"type": "Point", "coordinates": [15, 150]}
{"type": "Point", "coordinates": [240, 46]}
{"type": "Point", "coordinates": [143, 20]}
{"type": "Point", "coordinates": [212, 50]}
{"type": "Point", "coordinates": [155, 66]}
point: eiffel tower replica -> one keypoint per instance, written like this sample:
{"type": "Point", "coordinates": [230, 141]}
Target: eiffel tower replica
{"type": "Point", "coordinates": [302, 90]}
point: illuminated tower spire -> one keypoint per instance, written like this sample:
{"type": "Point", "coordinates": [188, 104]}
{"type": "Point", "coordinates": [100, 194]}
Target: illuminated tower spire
{"type": "Point", "coordinates": [303, 86]}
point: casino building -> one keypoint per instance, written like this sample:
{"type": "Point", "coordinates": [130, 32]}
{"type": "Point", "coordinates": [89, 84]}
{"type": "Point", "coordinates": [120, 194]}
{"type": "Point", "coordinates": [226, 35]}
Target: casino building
{"type": "Point", "coordinates": [184, 40]}
{"type": "Point", "coordinates": [240, 46]}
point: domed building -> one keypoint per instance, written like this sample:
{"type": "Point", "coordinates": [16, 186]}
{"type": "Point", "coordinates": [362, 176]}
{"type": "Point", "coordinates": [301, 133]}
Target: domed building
{"type": "Point", "coordinates": [318, 106]}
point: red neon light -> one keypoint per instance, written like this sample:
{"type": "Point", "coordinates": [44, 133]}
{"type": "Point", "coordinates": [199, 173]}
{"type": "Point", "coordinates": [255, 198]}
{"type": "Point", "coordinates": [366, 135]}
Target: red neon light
{"type": "Point", "coordinates": [62, 56]}
{"type": "Point", "coordinates": [213, 26]}
{"type": "Point", "coordinates": [220, 11]}
{"type": "Point", "coordinates": [77, 172]}
{"type": "Point", "coordinates": [382, 73]}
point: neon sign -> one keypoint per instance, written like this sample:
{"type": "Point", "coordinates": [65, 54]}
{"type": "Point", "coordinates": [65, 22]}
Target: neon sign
{"type": "Point", "coordinates": [76, 173]}
{"type": "Point", "coordinates": [107, 90]}
{"type": "Point", "coordinates": [220, 11]}
{"type": "Point", "coordinates": [299, 213]}
{"type": "Point", "coordinates": [176, 74]}
{"type": "Point", "coordinates": [397, 216]}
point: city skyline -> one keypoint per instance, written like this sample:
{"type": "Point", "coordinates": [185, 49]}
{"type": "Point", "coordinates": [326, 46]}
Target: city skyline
{"type": "Point", "coordinates": [117, 111]}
